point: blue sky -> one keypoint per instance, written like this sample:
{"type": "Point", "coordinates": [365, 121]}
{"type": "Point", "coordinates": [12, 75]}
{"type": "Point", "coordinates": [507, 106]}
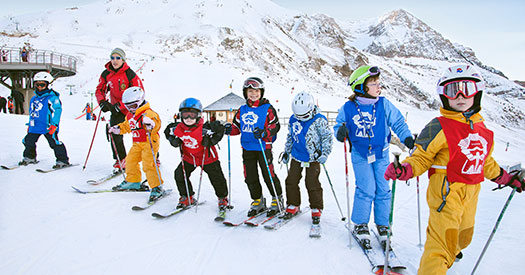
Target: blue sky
{"type": "Point", "coordinates": [495, 30]}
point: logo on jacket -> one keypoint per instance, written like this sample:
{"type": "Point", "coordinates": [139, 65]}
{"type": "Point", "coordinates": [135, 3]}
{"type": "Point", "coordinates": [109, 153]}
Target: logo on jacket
{"type": "Point", "coordinates": [296, 130]}
{"type": "Point", "coordinates": [36, 107]}
{"type": "Point", "coordinates": [249, 119]}
{"type": "Point", "coordinates": [190, 142]}
{"type": "Point", "coordinates": [364, 125]}
{"type": "Point", "coordinates": [474, 147]}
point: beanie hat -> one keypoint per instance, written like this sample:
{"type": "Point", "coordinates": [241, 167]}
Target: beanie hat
{"type": "Point", "coordinates": [120, 52]}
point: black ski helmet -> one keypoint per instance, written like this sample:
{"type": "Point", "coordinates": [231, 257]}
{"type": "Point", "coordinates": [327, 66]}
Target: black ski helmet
{"type": "Point", "coordinates": [254, 83]}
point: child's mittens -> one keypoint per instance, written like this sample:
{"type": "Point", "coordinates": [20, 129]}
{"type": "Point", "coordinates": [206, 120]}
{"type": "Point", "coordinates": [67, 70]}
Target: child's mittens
{"type": "Point", "coordinates": [342, 133]}
{"type": "Point", "coordinates": [114, 130]}
{"type": "Point", "coordinates": [175, 141]}
{"type": "Point", "coordinates": [284, 158]}
{"type": "Point", "coordinates": [403, 172]}
{"type": "Point", "coordinates": [148, 123]}
{"type": "Point", "coordinates": [227, 128]}
{"type": "Point", "coordinates": [259, 133]}
{"type": "Point", "coordinates": [322, 159]}
{"type": "Point", "coordinates": [510, 180]}
{"type": "Point", "coordinates": [409, 142]}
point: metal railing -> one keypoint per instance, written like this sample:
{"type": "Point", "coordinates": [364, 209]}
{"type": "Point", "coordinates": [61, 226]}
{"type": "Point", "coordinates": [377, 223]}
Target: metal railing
{"type": "Point", "coordinates": [9, 55]}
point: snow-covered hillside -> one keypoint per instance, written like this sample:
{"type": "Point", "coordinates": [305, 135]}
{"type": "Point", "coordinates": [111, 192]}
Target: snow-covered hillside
{"type": "Point", "coordinates": [197, 48]}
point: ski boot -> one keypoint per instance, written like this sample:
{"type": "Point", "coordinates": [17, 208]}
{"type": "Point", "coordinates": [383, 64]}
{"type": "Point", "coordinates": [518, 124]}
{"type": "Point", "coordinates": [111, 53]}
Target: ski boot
{"type": "Point", "coordinates": [61, 164]}
{"type": "Point", "coordinates": [363, 234]}
{"type": "Point", "coordinates": [382, 231]}
{"type": "Point", "coordinates": [316, 215]}
{"type": "Point", "coordinates": [223, 204]}
{"type": "Point", "coordinates": [257, 206]}
{"type": "Point", "coordinates": [277, 204]}
{"type": "Point", "coordinates": [291, 211]}
{"type": "Point", "coordinates": [27, 161]}
{"type": "Point", "coordinates": [185, 202]}
{"type": "Point", "coordinates": [156, 193]}
{"type": "Point", "coordinates": [130, 186]}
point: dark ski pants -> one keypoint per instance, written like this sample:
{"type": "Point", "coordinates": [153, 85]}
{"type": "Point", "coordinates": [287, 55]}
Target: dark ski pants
{"type": "Point", "coordinates": [315, 191]}
{"type": "Point", "coordinates": [215, 175]}
{"type": "Point", "coordinates": [30, 140]}
{"type": "Point", "coordinates": [115, 119]}
{"type": "Point", "coordinates": [250, 160]}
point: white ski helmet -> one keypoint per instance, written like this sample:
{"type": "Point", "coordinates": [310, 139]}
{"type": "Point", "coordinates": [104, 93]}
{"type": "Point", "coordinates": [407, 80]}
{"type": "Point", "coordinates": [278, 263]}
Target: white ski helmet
{"type": "Point", "coordinates": [43, 76]}
{"type": "Point", "coordinates": [133, 97]}
{"type": "Point", "coordinates": [303, 106]}
{"type": "Point", "coordinates": [461, 72]}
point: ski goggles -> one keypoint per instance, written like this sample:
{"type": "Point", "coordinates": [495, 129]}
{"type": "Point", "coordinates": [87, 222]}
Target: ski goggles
{"type": "Point", "coordinates": [189, 114]}
{"type": "Point", "coordinates": [41, 85]}
{"type": "Point", "coordinates": [371, 72]}
{"type": "Point", "coordinates": [132, 105]}
{"type": "Point", "coordinates": [468, 88]}
{"type": "Point", "coordinates": [116, 57]}
{"type": "Point", "coordinates": [254, 84]}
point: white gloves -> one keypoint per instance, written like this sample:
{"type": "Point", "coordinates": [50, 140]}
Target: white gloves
{"type": "Point", "coordinates": [148, 123]}
{"type": "Point", "coordinates": [114, 130]}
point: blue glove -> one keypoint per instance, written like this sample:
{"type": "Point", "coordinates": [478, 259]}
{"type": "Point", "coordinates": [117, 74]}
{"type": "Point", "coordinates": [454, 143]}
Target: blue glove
{"type": "Point", "coordinates": [259, 133]}
{"type": "Point", "coordinates": [322, 159]}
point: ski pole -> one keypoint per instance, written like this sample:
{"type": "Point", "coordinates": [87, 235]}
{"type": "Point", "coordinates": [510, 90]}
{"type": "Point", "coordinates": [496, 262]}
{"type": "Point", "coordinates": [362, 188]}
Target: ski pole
{"type": "Point", "coordinates": [184, 174]}
{"type": "Point", "coordinates": [93, 139]}
{"type": "Point", "coordinates": [343, 218]}
{"type": "Point", "coordinates": [347, 194]}
{"type": "Point", "coordinates": [391, 218]}
{"type": "Point", "coordinates": [154, 157]}
{"type": "Point", "coordinates": [200, 180]}
{"type": "Point", "coordinates": [420, 245]}
{"type": "Point", "coordinates": [229, 175]}
{"type": "Point", "coordinates": [269, 174]}
{"type": "Point", "coordinates": [494, 230]}
{"type": "Point", "coordinates": [118, 157]}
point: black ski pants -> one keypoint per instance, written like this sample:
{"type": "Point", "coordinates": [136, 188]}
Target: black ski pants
{"type": "Point", "coordinates": [3, 104]}
{"type": "Point", "coordinates": [215, 175]}
{"type": "Point", "coordinates": [30, 140]}
{"type": "Point", "coordinates": [250, 161]}
{"type": "Point", "coordinates": [115, 119]}
{"type": "Point", "coordinates": [315, 191]}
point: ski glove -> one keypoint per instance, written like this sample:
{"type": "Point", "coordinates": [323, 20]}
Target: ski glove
{"type": "Point", "coordinates": [115, 108]}
{"type": "Point", "coordinates": [52, 129]}
{"type": "Point", "coordinates": [284, 158]}
{"type": "Point", "coordinates": [114, 130]}
{"type": "Point", "coordinates": [206, 141]}
{"type": "Point", "coordinates": [148, 123]}
{"type": "Point", "coordinates": [104, 106]}
{"type": "Point", "coordinates": [322, 159]}
{"type": "Point", "coordinates": [512, 180]}
{"type": "Point", "coordinates": [342, 133]}
{"type": "Point", "coordinates": [259, 133]}
{"type": "Point", "coordinates": [175, 141]}
{"type": "Point", "coordinates": [403, 172]}
{"type": "Point", "coordinates": [409, 142]}
{"type": "Point", "coordinates": [227, 128]}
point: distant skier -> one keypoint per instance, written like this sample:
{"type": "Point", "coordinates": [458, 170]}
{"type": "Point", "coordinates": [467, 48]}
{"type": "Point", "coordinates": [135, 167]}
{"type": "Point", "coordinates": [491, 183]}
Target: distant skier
{"type": "Point", "coordinates": [45, 110]}
{"type": "Point", "coordinates": [257, 120]}
{"type": "Point", "coordinates": [309, 142]}
{"type": "Point", "coordinates": [141, 120]}
{"type": "Point", "coordinates": [87, 109]}
{"type": "Point", "coordinates": [365, 121]}
{"type": "Point", "coordinates": [456, 149]}
{"type": "Point", "coordinates": [197, 141]}
{"type": "Point", "coordinates": [3, 104]}
{"type": "Point", "coordinates": [116, 78]}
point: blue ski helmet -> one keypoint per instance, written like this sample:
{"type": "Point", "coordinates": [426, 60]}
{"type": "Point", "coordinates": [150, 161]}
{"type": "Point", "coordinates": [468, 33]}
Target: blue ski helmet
{"type": "Point", "coordinates": [191, 103]}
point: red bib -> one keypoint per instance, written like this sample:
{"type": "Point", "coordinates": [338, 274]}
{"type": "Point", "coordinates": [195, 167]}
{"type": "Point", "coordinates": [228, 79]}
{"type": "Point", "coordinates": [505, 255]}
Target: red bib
{"type": "Point", "coordinates": [468, 150]}
{"type": "Point", "coordinates": [135, 124]}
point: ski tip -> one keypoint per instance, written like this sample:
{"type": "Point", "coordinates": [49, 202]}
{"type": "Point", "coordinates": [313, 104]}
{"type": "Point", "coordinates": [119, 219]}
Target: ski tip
{"type": "Point", "coordinates": [78, 190]}
{"type": "Point", "coordinates": [157, 215]}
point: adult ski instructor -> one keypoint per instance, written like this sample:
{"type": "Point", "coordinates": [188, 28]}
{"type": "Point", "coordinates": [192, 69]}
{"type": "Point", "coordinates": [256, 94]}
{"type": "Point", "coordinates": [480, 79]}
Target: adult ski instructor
{"type": "Point", "coordinates": [115, 79]}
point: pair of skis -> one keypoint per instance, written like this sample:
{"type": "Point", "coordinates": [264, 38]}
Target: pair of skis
{"type": "Point", "coordinates": [38, 169]}
{"type": "Point", "coordinates": [253, 221]}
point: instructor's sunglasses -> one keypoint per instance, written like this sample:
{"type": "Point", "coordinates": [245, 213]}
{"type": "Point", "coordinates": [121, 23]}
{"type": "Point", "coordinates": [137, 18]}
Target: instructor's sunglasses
{"type": "Point", "coordinates": [254, 84]}
{"type": "Point", "coordinates": [468, 88]}
{"type": "Point", "coordinates": [116, 57]}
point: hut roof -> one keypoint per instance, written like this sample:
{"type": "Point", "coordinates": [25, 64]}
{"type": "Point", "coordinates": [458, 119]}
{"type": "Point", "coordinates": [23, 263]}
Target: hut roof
{"type": "Point", "coordinates": [227, 102]}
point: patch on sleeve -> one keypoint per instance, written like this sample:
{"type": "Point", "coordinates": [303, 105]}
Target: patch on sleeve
{"type": "Point", "coordinates": [429, 133]}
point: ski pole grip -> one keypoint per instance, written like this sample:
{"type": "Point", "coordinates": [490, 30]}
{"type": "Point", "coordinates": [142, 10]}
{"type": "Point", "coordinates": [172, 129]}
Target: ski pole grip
{"type": "Point", "coordinates": [396, 159]}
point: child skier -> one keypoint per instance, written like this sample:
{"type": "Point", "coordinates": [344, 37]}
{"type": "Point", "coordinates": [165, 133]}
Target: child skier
{"type": "Point", "coordinates": [365, 121]}
{"type": "Point", "coordinates": [257, 122]}
{"type": "Point", "coordinates": [456, 149]}
{"type": "Point", "coordinates": [309, 142]}
{"type": "Point", "coordinates": [197, 141]}
{"type": "Point", "coordinates": [45, 110]}
{"type": "Point", "coordinates": [144, 124]}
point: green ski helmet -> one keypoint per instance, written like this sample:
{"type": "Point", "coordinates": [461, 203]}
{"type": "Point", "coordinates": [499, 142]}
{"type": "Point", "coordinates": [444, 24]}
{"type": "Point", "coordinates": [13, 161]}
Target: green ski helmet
{"type": "Point", "coordinates": [357, 78]}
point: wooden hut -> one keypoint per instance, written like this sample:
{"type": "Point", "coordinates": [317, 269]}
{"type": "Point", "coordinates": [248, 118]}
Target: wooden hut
{"type": "Point", "coordinates": [225, 108]}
